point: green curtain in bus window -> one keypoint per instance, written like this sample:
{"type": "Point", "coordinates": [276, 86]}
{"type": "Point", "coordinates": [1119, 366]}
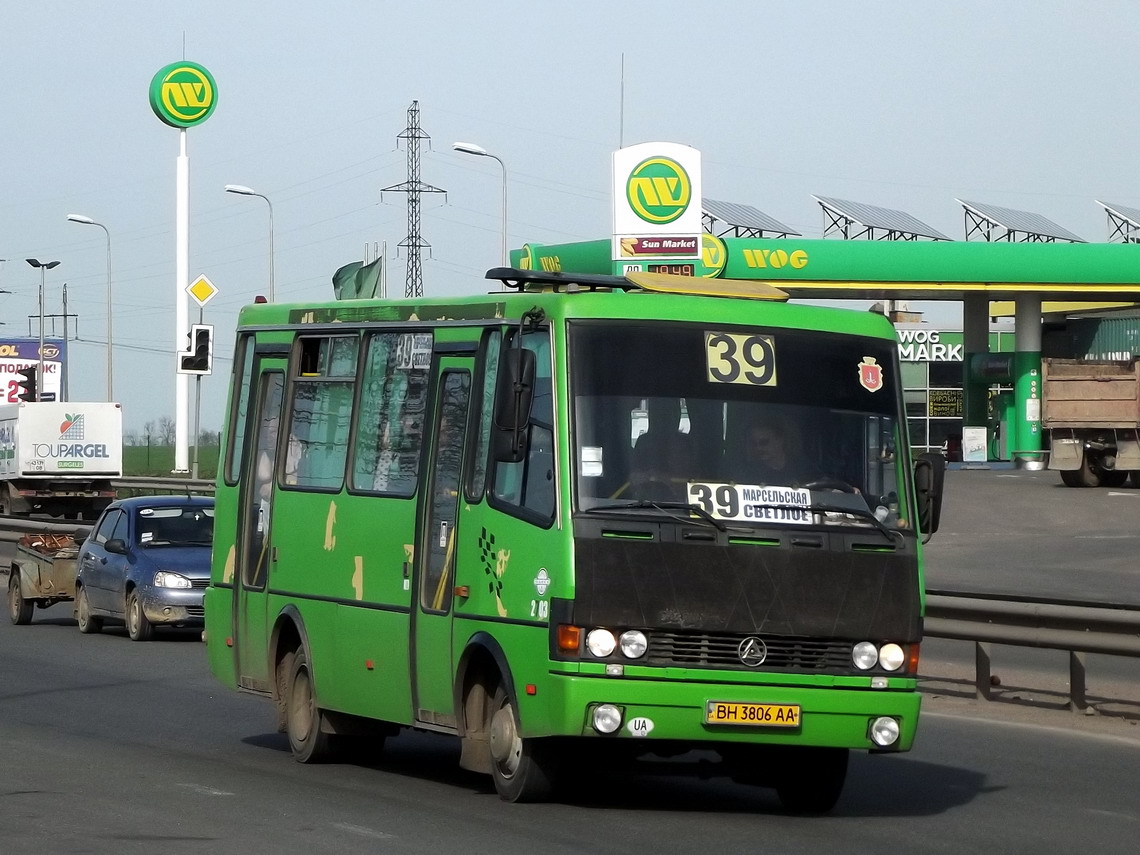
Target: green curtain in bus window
{"type": "Point", "coordinates": [318, 435]}
{"type": "Point", "coordinates": [391, 414]}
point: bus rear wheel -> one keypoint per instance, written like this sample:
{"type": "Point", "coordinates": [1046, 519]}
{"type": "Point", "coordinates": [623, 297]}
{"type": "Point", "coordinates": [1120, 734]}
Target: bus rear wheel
{"type": "Point", "coordinates": [303, 718]}
{"type": "Point", "coordinates": [521, 768]}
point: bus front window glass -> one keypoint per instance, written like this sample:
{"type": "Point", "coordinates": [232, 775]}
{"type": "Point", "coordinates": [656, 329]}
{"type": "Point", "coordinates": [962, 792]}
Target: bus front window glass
{"type": "Point", "coordinates": [391, 417]}
{"type": "Point", "coordinates": [716, 405]}
{"type": "Point", "coordinates": [319, 413]}
{"type": "Point", "coordinates": [529, 484]}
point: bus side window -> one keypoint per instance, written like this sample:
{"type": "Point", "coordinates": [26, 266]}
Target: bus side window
{"type": "Point", "coordinates": [319, 416]}
{"type": "Point", "coordinates": [527, 488]}
{"type": "Point", "coordinates": [477, 480]}
{"type": "Point", "coordinates": [390, 420]}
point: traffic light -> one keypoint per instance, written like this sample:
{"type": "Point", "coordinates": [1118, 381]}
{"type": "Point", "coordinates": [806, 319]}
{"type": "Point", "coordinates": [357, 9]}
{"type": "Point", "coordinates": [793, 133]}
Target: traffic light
{"type": "Point", "coordinates": [197, 360]}
{"type": "Point", "coordinates": [29, 386]}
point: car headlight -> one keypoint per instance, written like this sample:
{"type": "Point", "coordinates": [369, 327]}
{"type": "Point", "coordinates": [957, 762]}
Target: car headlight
{"type": "Point", "coordinates": [167, 579]}
{"type": "Point", "coordinates": [633, 643]}
{"type": "Point", "coordinates": [600, 642]}
{"type": "Point", "coordinates": [865, 655]}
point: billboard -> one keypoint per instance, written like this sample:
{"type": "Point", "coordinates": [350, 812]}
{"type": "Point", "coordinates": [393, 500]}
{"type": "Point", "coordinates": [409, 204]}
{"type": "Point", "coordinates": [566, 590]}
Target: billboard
{"type": "Point", "coordinates": [17, 353]}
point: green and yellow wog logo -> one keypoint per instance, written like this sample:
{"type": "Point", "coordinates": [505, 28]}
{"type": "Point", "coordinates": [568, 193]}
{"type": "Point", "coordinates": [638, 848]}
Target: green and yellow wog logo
{"type": "Point", "coordinates": [714, 256]}
{"type": "Point", "coordinates": [659, 190]}
{"type": "Point", "coordinates": [183, 94]}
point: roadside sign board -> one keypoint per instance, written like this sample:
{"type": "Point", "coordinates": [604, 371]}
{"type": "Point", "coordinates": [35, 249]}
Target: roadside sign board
{"type": "Point", "coordinates": [202, 290]}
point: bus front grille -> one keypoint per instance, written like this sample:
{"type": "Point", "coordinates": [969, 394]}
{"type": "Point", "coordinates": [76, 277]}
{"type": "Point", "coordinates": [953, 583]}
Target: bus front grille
{"type": "Point", "coordinates": [723, 650]}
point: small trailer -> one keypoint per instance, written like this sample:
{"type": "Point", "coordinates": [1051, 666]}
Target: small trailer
{"type": "Point", "coordinates": [42, 574]}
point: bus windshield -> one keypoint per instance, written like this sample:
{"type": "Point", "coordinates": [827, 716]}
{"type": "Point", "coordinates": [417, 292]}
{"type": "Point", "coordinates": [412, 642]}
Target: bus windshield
{"type": "Point", "coordinates": [750, 424]}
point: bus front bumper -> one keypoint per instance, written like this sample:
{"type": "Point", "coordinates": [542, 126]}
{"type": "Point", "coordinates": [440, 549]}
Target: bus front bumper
{"type": "Point", "coordinates": [833, 716]}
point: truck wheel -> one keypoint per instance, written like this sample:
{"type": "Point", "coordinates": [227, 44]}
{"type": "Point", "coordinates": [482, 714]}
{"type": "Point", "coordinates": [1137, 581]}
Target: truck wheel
{"type": "Point", "coordinates": [1113, 478]}
{"type": "Point", "coordinates": [139, 628]}
{"type": "Point", "coordinates": [1136, 479]}
{"type": "Point", "coordinates": [1087, 476]}
{"type": "Point", "coordinates": [19, 609]}
{"type": "Point", "coordinates": [88, 623]}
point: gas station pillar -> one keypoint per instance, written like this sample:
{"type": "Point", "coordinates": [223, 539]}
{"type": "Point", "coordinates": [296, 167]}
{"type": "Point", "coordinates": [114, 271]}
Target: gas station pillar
{"type": "Point", "coordinates": [1027, 450]}
{"type": "Point", "coordinates": [975, 341]}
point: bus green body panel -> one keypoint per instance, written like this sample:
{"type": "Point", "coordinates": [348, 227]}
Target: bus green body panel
{"type": "Point", "coordinates": [348, 568]}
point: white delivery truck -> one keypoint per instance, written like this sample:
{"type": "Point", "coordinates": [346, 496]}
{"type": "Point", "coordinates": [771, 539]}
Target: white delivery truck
{"type": "Point", "coordinates": [59, 458]}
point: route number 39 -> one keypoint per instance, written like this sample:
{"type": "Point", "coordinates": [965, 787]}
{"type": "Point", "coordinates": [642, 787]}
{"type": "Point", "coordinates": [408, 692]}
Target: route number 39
{"type": "Point", "coordinates": [747, 359]}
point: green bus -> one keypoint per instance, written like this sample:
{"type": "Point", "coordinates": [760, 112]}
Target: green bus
{"type": "Point", "coordinates": [540, 520]}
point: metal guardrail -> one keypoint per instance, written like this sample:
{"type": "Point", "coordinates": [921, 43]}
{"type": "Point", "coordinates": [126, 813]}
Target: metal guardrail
{"type": "Point", "coordinates": [166, 485]}
{"type": "Point", "coordinates": [1078, 628]}
{"type": "Point", "coordinates": [13, 528]}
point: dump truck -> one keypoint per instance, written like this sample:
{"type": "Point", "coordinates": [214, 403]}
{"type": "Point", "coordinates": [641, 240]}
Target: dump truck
{"type": "Point", "coordinates": [43, 574]}
{"type": "Point", "coordinates": [59, 458]}
{"type": "Point", "coordinates": [1091, 412]}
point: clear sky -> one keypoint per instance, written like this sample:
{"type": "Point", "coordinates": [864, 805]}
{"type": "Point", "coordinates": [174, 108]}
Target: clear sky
{"type": "Point", "coordinates": [907, 105]}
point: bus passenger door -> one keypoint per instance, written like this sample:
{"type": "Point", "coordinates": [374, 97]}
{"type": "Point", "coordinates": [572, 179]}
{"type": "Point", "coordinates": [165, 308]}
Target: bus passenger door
{"type": "Point", "coordinates": [254, 554]}
{"type": "Point", "coordinates": [436, 544]}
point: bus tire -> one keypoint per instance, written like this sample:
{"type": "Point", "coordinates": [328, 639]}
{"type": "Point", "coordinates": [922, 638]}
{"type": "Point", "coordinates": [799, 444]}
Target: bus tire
{"type": "Point", "coordinates": [139, 627]}
{"type": "Point", "coordinates": [19, 609]}
{"type": "Point", "coordinates": [812, 779]}
{"type": "Point", "coordinates": [88, 623]}
{"type": "Point", "coordinates": [303, 718]}
{"type": "Point", "coordinates": [521, 768]}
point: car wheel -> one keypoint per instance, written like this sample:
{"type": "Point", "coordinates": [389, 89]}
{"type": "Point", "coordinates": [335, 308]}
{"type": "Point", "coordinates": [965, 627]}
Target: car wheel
{"type": "Point", "coordinates": [19, 609]}
{"type": "Point", "coordinates": [88, 623]}
{"type": "Point", "coordinates": [303, 718]}
{"type": "Point", "coordinates": [139, 628]}
{"type": "Point", "coordinates": [521, 768]}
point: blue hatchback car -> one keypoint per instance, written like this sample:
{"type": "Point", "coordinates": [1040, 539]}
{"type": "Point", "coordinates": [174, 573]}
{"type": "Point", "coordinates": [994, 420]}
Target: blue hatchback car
{"type": "Point", "coordinates": [146, 563]}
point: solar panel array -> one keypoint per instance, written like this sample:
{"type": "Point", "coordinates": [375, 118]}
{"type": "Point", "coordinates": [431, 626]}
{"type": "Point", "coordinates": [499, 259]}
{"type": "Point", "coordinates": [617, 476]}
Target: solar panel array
{"type": "Point", "coordinates": [1020, 221]}
{"type": "Point", "coordinates": [875, 217]}
{"type": "Point", "coordinates": [1131, 215]}
{"type": "Point", "coordinates": [744, 216]}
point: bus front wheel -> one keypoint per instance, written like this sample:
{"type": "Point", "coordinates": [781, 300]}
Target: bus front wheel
{"type": "Point", "coordinates": [303, 718]}
{"type": "Point", "coordinates": [521, 768]}
{"type": "Point", "coordinates": [812, 779]}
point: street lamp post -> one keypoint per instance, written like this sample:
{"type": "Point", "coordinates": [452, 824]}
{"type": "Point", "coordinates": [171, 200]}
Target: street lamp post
{"type": "Point", "coordinates": [479, 151]}
{"type": "Point", "coordinates": [87, 221]}
{"type": "Point", "coordinates": [43, 266]}
{"type": "Point", "coordinates": [242, 190]}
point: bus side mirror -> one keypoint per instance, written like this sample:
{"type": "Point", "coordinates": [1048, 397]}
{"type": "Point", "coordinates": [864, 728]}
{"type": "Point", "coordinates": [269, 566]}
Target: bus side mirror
{"type": "Point", "coordinates": [514, 397]}
{"type": "Point", "coordinates": [929, 477]}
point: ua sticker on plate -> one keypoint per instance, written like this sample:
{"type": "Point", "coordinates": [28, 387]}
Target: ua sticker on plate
{"type": "Point", "coordinates": [640, 726]}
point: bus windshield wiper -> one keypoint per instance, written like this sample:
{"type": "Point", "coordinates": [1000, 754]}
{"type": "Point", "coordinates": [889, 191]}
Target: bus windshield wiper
{"type": "Point", "coordinates": [865, 513]}
{"type": "Point", "coordinates": [664, 507]}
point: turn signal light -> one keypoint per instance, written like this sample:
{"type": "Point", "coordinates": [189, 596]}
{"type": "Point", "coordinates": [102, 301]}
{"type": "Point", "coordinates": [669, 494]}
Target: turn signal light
{"type": "Point", "coordinates": [912, 659]}
{"type": "Point", "coordinates": [569, 638]}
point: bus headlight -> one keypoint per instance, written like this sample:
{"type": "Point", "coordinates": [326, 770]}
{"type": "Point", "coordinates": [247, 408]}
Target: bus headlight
{"type": "Point", "coordinates": [601, 642]}
{"type": "Point", "coordinates": [607, 718]}
{"type": "Point", "coordinates": [891, 657]}
{"type": "Point", "coordinates": [633, 643]}
{"type": "Point", "coordinates": [885, 731]}
{"type": "Point", "coordinates": [865, 655]}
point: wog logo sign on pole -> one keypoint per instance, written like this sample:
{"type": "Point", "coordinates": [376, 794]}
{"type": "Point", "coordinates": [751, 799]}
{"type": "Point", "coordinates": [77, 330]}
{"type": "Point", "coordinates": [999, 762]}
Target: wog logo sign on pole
{"type": "Point", "coordinates": [183, 94]}
{"type": "Point", "coordinates": [657, 206]}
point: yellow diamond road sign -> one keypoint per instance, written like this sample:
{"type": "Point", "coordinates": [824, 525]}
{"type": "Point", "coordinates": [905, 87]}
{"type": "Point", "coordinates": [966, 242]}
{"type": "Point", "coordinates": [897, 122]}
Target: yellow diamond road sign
{"type": "Point", "coordinates": [202, 290]}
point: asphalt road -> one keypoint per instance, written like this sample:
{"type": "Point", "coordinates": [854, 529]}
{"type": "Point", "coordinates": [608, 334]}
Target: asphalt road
{"type": "Point", "coordinates": [110, 746]}
{"type": "Point", "coordinates": [1018, 533]}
